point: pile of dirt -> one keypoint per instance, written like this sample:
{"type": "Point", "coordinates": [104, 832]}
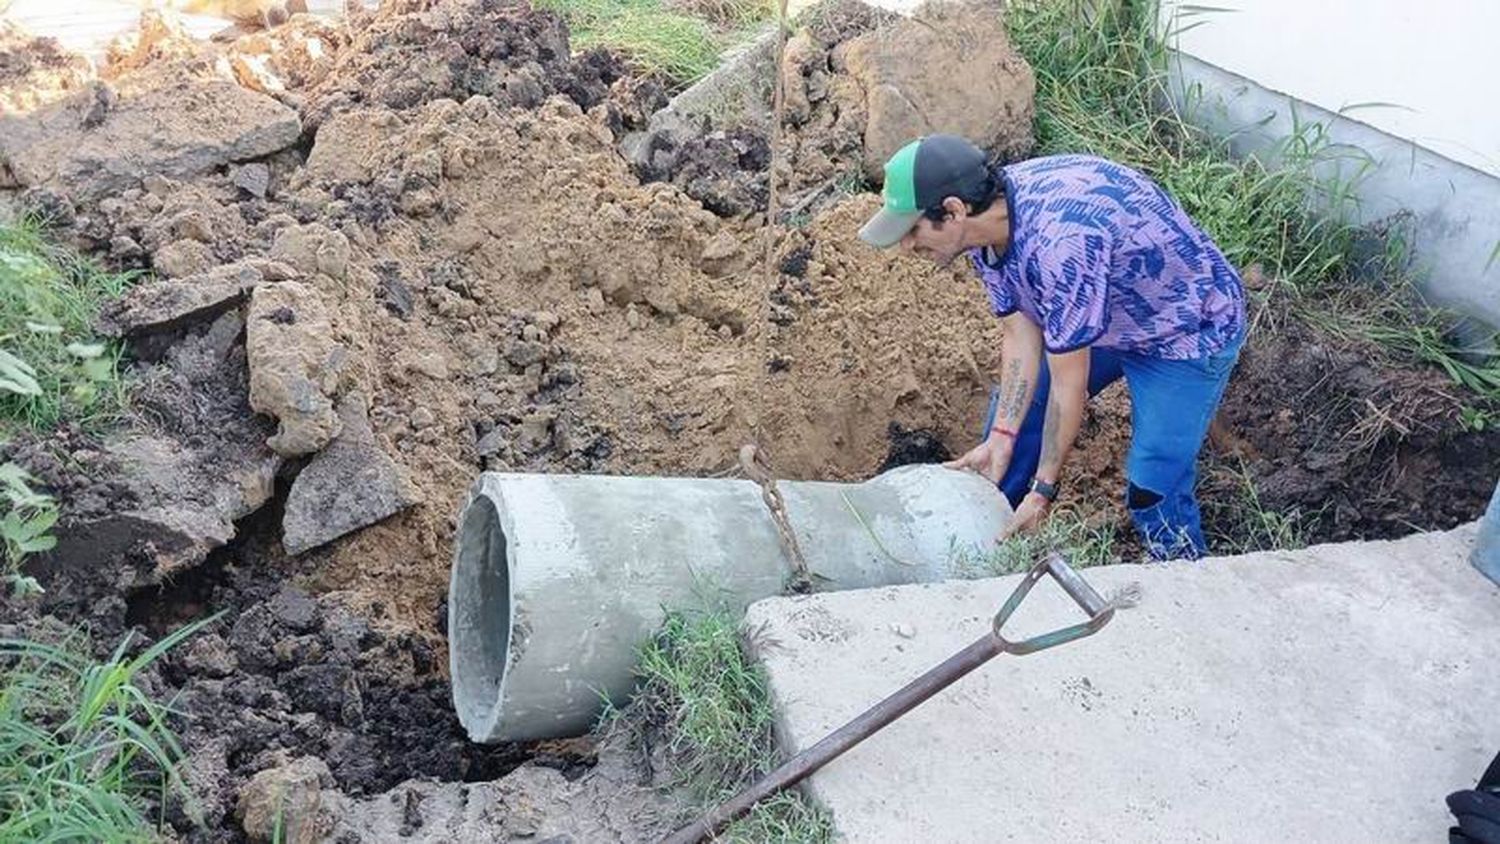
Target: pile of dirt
{"type": "Point", "coordinates": [852, 78]}
{"type": "Point", "coordinates": [412, 52]}
{"type": "Point", "coordinates": [442, 269]}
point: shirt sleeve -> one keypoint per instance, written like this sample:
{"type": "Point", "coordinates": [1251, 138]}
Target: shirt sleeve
{"type": "Point", "coordinates": [1002, 297]}
{"type": "Point", "coordinates": [1076, 306]}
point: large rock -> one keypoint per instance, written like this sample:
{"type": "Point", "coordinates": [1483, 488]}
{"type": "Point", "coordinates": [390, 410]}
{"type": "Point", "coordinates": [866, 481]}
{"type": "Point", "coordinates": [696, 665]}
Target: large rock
{"type": "Point", "coordinates": [349, 485]}
{"type": "Point", "coordinates": [294, 366]}
{"type": "Point", "coordinates": [172, 303]}
{"type": "Point", "coordinates": [953, 70]}
{"type": "Point", "coordinates": [286, 803]}
{"type": "Point", "coordinates": [96, 143]}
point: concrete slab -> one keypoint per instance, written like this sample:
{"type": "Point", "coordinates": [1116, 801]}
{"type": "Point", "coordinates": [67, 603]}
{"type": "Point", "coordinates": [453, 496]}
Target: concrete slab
{"type": "Point", "coordinates": [1333, 694]}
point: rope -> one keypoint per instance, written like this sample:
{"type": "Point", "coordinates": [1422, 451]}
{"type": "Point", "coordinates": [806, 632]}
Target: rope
{"type": "Point", "coordinates": [755, 460]}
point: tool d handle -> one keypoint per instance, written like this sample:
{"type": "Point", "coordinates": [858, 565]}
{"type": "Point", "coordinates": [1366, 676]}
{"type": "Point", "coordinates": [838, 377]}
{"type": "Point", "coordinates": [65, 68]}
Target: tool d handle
{"type": "Point", "coordinates": [1099, 610]}
{"type": "Point", "coordinates": [1073, 583]}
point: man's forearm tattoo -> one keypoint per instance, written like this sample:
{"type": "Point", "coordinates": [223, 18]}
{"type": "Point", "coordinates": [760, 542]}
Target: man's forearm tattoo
{"type": "Point", "coordinates": [1013, 394]}
{"type": "Point", "coordinates": [1051, 450]}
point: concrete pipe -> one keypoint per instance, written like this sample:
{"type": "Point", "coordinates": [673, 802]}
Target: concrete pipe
{"type": "Point", "coordinates": [558, 579]}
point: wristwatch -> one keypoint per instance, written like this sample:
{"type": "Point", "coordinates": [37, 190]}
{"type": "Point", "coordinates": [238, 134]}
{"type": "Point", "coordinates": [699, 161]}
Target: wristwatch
{"type": "Point", "coordinates": [1044, 489]}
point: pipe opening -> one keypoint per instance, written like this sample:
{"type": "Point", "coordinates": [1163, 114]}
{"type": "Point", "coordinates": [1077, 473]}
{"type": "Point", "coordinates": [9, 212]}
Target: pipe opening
{"type": "Point", "coordinates": [479, 614]}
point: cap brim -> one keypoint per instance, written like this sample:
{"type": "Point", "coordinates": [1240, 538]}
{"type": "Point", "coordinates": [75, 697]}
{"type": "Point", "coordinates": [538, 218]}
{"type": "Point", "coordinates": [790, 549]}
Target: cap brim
{"type": "Point", "coordinates": [887, 227]}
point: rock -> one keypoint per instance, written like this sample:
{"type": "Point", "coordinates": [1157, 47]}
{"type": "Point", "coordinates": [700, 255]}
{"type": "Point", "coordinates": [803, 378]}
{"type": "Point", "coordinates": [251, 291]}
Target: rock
{"type": "Point", "coordinates": [158, 501]}
{"type": "Point", "coordinates": [159, 36]}
{"type": "Point", "coordinates": [594, 301]}
{"type": "Point", "coordinates": [536, 431]}
{"type": "Point", "coordinates": [492, 443]}
{"type": "Point", "coordinates": [295, 609]}
{"type": "Point", "coordinates": [209, 655]}
{"type": "Point", "coordinates": [183, 258]}
{"type": "Point", "coordinates": [254, 179]}
{"type": "Point", "coordinates": [396, 295]}
{"type": "Point", "coordinates": [423, 417]}
{"type": "Point", "coordinates": [313, 248]}
{"type": "Point", "coordinates": [285, 804]}
{"type": "Point", "coordinates": [431, 364]}
{"type": "Point", "coordinates": [351, 484]}
{"type": "Point", "coordinates": [294, 364]}
{"type": "Point", "coordinates": [722, 254]}
{"type": "Point", "coordinates": [177, 128]}
{"type": "Point", "coordinates": [172, 303]}
{"type": "Point", "coordinates": [252, 72]}
{"type": "Point", "coordinates": [191, 225]}
{"type": "Point", "coordinates": [524, 353]}
{"type": "Point", "coordinates": [907, 70]}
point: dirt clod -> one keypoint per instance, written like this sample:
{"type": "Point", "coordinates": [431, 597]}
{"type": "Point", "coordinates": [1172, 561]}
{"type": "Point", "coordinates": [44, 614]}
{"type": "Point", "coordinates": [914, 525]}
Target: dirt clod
{"type": "Point", "coordinates": [294, 366]}
{"type": "Point", "coordinates": [285, 803]}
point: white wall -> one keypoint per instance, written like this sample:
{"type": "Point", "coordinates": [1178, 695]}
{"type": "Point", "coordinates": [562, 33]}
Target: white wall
{"type": "Point", "coordinates": [1437, 62]}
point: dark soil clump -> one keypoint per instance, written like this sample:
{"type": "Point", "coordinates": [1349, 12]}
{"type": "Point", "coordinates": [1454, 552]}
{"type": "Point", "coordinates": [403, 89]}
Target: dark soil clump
{"type": "Point", "coordinates": [285, 673]}
{"type": "Point", "coordinates": [1351, 443]}
{"type": "Point", "coordinates": [414, 52]}
{"type": "Point", "coordinates": [909, 446]}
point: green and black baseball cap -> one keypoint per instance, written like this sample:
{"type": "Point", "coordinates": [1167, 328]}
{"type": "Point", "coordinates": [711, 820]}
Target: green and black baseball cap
{"type": "Point", "coordinates": [918, 178]}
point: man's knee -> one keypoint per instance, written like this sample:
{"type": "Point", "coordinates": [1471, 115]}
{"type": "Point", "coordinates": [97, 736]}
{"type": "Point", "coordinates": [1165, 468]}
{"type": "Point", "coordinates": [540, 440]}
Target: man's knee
{"type": "Point", "coordinates": [1139, 498]}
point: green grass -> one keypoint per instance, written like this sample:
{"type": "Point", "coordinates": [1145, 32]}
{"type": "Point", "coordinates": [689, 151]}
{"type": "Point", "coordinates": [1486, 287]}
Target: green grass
{"type": "Point", "coordinates": [678, 43]}
{"type": "Point", "coordinates": [1101, 87]}
{"type": "Point", "coordinates": [714, 705]}
{"type": "Point", "coordinates": [1081, 542]}
{"type": "Point", "coordinates": [52, 365]}
{"type": "Point", "coordinates": [84, 752]}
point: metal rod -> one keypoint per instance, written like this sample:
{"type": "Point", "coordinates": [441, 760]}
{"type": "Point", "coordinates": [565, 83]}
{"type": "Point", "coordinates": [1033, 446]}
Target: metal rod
{"type": "Point", "coordinates": [804, 764]}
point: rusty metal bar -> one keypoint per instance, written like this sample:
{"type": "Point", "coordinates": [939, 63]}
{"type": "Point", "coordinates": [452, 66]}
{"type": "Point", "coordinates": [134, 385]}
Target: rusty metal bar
{"type": "Point", "coordinates": [982, 650]}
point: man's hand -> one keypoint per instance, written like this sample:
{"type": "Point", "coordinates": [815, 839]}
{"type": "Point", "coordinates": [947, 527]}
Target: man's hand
{"type": "Point", "coordinates": [1028, 517]}
{"type": "Point", "coordinates": [990, 458]}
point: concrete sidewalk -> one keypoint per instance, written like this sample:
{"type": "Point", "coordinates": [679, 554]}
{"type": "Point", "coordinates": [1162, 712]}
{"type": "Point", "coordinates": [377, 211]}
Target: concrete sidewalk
{"type": "Point", "coordinates": [1333, 694]}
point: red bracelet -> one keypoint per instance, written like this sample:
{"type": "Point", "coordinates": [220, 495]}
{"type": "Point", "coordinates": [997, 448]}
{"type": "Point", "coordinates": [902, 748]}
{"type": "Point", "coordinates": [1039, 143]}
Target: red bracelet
{"type": "Point", "coordinates": [1005, 432]}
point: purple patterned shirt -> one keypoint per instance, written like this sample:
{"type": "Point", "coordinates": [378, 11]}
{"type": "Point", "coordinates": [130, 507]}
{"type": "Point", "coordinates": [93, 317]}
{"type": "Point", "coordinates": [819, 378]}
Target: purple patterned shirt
{"type": "Point", "coordinates": [1101, 256]}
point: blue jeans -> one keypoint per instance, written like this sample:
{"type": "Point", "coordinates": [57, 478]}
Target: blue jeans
{"type": "Point", "coordinates": [1172, 403]}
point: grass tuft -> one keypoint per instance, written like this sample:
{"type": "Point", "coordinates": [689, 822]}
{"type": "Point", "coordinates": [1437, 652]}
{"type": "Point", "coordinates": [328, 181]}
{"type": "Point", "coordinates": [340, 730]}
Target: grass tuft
{"type": "Point", "coordinates": [678, 42]}
{"type": "Point", "coordinates": [52, 365]}
{"type": "Point", "coordinates": [1082, 541]}
{"type": "Point", "coordinates": [714, 706]}
{"type": "Point", "coordinates": [85, 753]}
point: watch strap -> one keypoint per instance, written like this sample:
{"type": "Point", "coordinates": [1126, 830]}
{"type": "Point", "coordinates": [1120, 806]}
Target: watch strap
{"type": "Point", "coordinates": [1044, 489]}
